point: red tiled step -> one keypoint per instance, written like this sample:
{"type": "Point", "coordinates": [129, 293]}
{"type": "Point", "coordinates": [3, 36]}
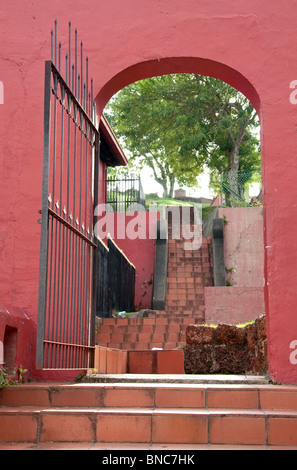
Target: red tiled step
{"type": "Point", "coordinates": [163, 413]}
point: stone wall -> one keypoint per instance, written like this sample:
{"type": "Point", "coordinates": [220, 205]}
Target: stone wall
{"type": "Point", "coordinates": [226, 349]}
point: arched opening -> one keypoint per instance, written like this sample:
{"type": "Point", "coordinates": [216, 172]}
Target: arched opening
{"type": "Point", "coordinates": [174, 65]}
{"type": "Point", "coordinates": [205, 67]}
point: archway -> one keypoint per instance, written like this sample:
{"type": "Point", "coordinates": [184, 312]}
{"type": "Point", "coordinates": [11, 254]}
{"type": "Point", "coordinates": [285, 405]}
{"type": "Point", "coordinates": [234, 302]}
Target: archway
{"type": "Point", "coordinates": [174, 65]}
{"type": "Point", "coordinates": [179, 65]}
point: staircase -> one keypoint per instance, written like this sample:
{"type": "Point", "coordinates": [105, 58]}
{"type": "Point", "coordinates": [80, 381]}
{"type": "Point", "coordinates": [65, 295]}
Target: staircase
{"type": "Point", "coordinates": [150, 416]}
{"type": "Point", "coordinates": [188, 272]}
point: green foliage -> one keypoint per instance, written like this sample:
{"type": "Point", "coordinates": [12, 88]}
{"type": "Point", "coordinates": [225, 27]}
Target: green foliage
{"type": "Point", "coordinates": [21, 373]}
{"type": "Point", "coordinates": [5, 379]}
{"type": "Point", "coordinates": [176, 124]}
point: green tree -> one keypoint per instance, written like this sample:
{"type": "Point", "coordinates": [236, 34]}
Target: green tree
{"type": "Point", "coordinates": [176, 124]}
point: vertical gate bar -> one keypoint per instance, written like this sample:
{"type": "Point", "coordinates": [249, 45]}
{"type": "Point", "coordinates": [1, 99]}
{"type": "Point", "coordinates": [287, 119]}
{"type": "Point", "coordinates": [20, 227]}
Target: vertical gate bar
{"type": "Point", "coordinates": [65, 307]}
{"type": "Point", "coordinates": [57, 315]}
{"type": "Point", "coordinates": [84, 335]}
{"type": "Point", "coordinates": [78, 301]}
{"type": "Point", "coordinates": [78, 291]}
{"type": "Point", "coordinates": [75, 62]}
{"type": "Point", "coordinates": [50, 280]}
{"type": "Point", "coordinates": [69, 39]}
{"type": "Point", "coordinates": [67, 338]}
{"type": "Point", "coordinates": [62, 300]}
{"type": "Point", "coordinates": [62, 235]}
{"type": "Point", "coordinates": [85, 303]}
{"type": "Point", "coordinates": [75, 297]}
{"type": "Point", "coordinates": [81, 72]}
{"type": "Point", "coordinates": [52, 44]}
{"type": "Point", "coordinates": [68, 240]}
{"type": "Point", "coordinates": [95, 255]}
{"type": "Point", "coordinates": [55, 41]}
{"type": "Point", "coordinates": [87, 190]}
{"type": "Point", "coordinates": [54, 291]}
{"type": "Point", "coordinates": [44, 222]}
{"type": "Point", "coordinates": [54, 141]}
{"type": "Point", "coordinates": [72, 295]}
{"type": "Point", "coordinates": [80, 172]}
{"type": "Point", "coordinates": [55, 85]}
{"type": "Point", "coordinates": [87, 82]}
{"type": "Point", "coordinates": [83, 312]}
{"type": "Point", "coordinates": [60, 46]}
{"type": "Point", "coordinates": [91, 182]}
{"type": "Point", "coordinates": [62, 150]}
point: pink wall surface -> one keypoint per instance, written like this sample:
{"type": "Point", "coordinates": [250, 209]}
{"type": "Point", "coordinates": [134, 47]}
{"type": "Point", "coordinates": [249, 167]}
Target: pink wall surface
{"type": "Point", "coordinates": [233, 304]}
{"type": "Point", "coordinates": [244, 245]}
{"type": "Point", "coordinates": [243, 299]}
{"type": "Point", "coordinates": [135, 235]}
{"type": "Point", "coordinates": [250, 45]}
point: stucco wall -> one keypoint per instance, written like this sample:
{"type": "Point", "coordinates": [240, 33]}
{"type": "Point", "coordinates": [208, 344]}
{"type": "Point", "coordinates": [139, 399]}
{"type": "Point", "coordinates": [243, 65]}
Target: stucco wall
{"type": "Point", "coordinates": [244, 245]}
{"type": "Point", "coordinates": [233, 304]}
{"type": "Point", "coordinates": [243, 299]}
{"type": "Point", "coordinates": [135, 234]}
{"type": "Point", "coordinates": [250, 45]}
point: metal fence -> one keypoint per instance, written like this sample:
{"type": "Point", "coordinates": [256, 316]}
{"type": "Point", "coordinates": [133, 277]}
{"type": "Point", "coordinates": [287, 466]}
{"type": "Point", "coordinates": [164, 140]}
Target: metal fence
{"type": "Point", "coordinates": [241, 188]}
{"type": "Point", "coordinates": [68, 249]}
{"type": "Point", "coordinates": [116, 281]}
{"type": "Point", "coordinates": [122, 192]}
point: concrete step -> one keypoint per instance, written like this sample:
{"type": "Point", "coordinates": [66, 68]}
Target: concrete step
{"type": "Point", "coordinates": [146, 413]}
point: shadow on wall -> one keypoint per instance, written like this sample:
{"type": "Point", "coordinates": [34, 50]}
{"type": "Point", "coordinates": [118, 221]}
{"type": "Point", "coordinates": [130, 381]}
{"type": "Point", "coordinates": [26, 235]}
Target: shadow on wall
{"type": "Point", "coordinates": [239, 262]}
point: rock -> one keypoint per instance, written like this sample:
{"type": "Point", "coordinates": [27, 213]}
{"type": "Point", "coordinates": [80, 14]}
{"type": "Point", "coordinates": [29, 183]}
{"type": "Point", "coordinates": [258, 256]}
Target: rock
{"type": "Point", "coordinates": [251, 336]}
{"type": "Point", "coordinates": [226, 349]}
{"type": "Point", "coordinates": [230, 334]}
{"type": "Point", "coordinates": [199, 334]}
{"type": "Point", "coordinates": [228, 358]}
{"type": "Point", "coordinates": [260, 325]}
{"type": "Point", "coordinates": [198, 359]}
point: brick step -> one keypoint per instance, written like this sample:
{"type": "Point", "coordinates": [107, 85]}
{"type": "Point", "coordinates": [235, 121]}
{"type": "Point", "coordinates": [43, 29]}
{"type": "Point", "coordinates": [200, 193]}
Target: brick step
{"type": "Point", "coordinates": [143, 346]}
{"type": "Point", "coordinates": [158, 319]}
{"type": "Point", "coordinates": [150, 413]}
{"type": "Point", "coordinates": [160, 331]}
{"type": "Point", "coordinates": [146, 329]}
{"type": "Point", "coordinates": [141, 337]}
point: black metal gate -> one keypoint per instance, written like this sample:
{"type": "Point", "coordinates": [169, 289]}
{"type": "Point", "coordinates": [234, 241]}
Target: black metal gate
{"type": "Point", "coordinates": [67, 284]}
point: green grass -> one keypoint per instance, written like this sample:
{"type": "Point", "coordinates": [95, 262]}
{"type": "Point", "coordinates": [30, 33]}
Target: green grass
{"type": "Point", "coordinates": [239, 325]}
{"type": "Point", "coordinates": [206, 208]}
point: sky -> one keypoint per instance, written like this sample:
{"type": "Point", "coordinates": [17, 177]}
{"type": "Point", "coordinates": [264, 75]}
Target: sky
{"type": "Point", "coordinates": [151, 186]}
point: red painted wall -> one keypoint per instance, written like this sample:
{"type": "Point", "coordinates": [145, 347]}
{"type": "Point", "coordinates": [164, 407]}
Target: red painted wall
{"type": "Point", "coordinates": [251, 45]}
{"type": "Point", "coordinates": [135, 235]}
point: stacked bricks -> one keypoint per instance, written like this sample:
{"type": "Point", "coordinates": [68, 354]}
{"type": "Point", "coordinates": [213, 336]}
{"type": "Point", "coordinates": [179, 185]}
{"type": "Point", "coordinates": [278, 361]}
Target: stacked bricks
{"type": "Point", "coordinates": [189, 271]}
{"type": "Point", "coordinates": [143, 333]}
